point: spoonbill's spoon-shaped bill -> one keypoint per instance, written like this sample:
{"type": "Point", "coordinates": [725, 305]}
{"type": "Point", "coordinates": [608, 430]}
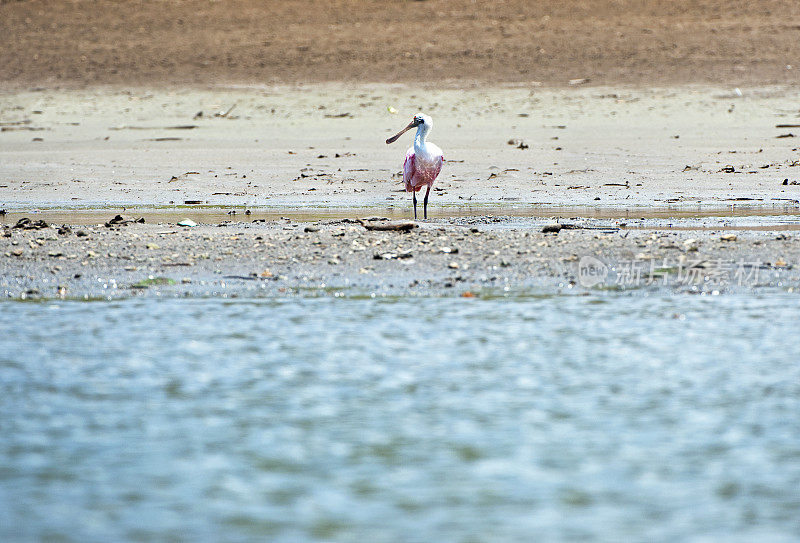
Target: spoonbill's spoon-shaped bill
{"type": "Point", "coordinates": [413, 124]}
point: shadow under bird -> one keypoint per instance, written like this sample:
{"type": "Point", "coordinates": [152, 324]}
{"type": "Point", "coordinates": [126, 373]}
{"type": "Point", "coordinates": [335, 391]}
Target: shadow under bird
{"type": "Point", "coordinates": [423, 161]}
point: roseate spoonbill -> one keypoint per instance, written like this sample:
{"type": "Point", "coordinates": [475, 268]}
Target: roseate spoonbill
{"type": "Point", "coordinates": [423, 161]}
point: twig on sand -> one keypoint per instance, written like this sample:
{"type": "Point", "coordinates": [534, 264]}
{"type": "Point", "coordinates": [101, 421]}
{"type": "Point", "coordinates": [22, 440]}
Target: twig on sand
{"type": "Point", "coordinates": [226, 112]}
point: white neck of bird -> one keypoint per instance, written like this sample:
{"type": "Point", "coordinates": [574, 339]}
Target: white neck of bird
{"type": "Point", "coordinates": [419, 138]}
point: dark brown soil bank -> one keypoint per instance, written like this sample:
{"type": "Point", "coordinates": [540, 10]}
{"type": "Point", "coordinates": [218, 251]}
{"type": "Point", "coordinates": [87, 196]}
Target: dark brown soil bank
{"type": "Point", "coordinates": [83, 42]}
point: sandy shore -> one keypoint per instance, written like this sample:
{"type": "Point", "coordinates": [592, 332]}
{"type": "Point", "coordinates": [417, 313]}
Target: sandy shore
{"type": "Point", "coordinates": [322, 146]}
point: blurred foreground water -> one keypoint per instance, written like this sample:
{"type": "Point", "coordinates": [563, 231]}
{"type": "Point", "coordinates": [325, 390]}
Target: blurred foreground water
{"type": "Point", "coordinates": [597, 418]}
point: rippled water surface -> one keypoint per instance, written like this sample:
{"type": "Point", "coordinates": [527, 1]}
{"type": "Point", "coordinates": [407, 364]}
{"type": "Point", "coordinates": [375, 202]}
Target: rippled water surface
{"type": "Point", "coordinates": [609, 418]}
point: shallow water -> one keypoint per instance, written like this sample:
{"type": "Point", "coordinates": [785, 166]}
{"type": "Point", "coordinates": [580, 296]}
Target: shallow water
{"type": "Point", "coordinates": [774, 215]}
{"type": "Point", "coordinates": [606, 418]}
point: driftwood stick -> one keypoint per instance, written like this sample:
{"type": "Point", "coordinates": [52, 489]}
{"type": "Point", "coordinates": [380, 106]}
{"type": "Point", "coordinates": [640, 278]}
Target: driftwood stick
{"type": "Point", "coordinates": [393, 227]}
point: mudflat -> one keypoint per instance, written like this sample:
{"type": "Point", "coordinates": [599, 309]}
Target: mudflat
{"type": "Point", "coordinates": [600, 115]}
{"type": "Point", "coordinates": [693, 161]}
{"type": "Point", "coordinates": [468, 256]}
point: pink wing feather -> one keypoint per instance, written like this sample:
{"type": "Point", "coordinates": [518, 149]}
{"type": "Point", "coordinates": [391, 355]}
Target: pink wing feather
{"type": "Point", "coordinates": [416, 179]}
{"type": "Point", "coordinates": [409, 169]}
{"type": "Point", "coordinates": [438, 168]}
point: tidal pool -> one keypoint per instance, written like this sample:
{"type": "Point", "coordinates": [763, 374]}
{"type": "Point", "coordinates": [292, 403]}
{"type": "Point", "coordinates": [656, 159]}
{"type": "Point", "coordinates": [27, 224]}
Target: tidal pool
{"type": "Point", "coordinates": [609, 417]}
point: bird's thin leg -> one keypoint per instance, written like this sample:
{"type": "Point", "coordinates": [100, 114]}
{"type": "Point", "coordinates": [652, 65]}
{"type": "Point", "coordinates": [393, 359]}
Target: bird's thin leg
{"type": "Point", "coordinates": [425, 202]}
{"type": "Point", "coordinates": [414, 199]}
